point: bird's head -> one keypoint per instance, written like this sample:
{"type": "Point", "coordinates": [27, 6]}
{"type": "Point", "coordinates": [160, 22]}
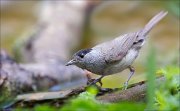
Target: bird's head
{"type": "Point", "coordinates": [78, 58]}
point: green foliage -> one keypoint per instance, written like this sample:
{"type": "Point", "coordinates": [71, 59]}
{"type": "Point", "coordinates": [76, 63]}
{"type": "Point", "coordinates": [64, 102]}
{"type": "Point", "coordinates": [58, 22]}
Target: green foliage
{"type": "Point", "coordinates": [24, 109]}
{"type": "Point", "coordinates": [45, 108]}
{"type": "Point", "coordinates": [92, 90]}
{"type": "Point", "coordinates": [85, 101]}
{"type": "Point", "coordinates": [42, 107]}
{"type": "Point", "coordinates": [167, 95]}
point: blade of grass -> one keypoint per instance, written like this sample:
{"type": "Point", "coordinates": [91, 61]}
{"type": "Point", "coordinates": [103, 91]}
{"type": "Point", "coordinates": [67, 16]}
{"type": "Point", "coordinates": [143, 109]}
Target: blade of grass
{"type": "Point", "coordinates": [151, 67]}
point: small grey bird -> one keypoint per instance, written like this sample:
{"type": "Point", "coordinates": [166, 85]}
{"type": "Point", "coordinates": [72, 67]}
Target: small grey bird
{"type": "Point", "coordinates": [116, 55]}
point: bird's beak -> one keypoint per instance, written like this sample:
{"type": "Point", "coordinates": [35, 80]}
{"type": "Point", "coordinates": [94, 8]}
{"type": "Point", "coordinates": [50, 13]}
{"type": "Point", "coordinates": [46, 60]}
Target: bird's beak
{"type": "Point", "coordinates": [71, 62]}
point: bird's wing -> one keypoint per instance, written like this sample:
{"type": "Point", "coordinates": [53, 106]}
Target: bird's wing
{"type": "Point", "coordinates": [118, 48]}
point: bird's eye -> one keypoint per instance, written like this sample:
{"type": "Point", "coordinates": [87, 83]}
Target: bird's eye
{"type": "Point", "coordinates": [82, 52]}
{"type": "Point", "coordinates": [81, 55]}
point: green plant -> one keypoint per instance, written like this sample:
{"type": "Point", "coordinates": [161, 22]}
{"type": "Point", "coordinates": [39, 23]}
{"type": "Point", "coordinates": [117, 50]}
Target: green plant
{"type": "Point", "coordinates": [167, 95]}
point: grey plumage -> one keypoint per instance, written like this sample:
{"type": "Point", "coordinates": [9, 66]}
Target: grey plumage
{"type": "Point", "coordinates": [116, 55]}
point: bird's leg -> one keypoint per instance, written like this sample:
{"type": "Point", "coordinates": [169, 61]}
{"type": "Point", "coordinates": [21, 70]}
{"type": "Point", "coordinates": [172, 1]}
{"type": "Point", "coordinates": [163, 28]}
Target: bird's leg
{"type": "Point", "coordinates": [89, 79]}
{"type": "Point", "coordinates": [132, 70]}
{"type": "Point", "coordinates": [96, 80]}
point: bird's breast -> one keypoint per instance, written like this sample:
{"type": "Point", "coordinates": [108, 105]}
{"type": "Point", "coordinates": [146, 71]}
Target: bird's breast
{"type": "Point", "coordinates": [95, 62]}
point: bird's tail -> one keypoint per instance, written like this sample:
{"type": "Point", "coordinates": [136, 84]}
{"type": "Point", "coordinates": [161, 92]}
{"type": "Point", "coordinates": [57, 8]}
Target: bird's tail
{"type": "Point", "coordinates": [152, 23]}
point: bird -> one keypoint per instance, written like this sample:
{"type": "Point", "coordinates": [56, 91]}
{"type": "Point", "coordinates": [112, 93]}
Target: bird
{"type": "Point", "coordinates": [116, 55]}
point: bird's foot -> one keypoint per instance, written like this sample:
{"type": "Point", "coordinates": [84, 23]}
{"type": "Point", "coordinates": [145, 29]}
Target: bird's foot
{"type": "Point", "coordinates": [125, 85]}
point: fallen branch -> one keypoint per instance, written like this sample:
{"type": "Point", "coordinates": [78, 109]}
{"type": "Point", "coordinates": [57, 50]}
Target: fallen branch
{"type": "Point", "coordinates": [135, 92]}
{"type": "Point", "coordinates": [21, 78]}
